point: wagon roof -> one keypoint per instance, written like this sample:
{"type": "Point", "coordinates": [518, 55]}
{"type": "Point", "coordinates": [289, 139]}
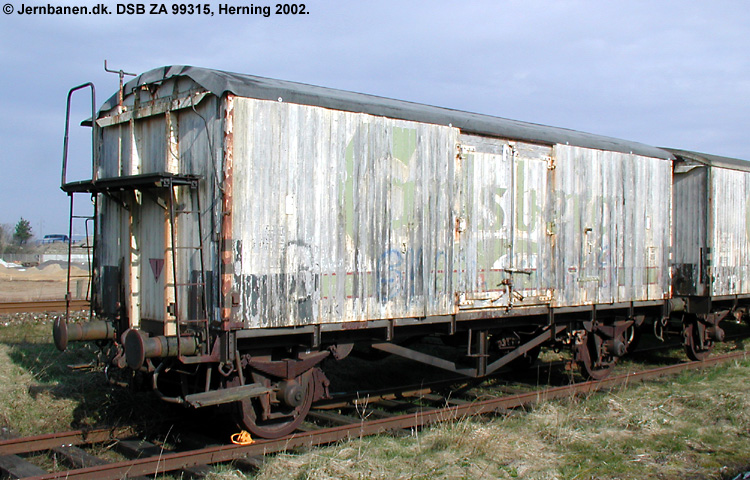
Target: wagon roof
{"type": "Point", "coordinates": [712, 160]}
{"type": "Point", "coordinates": [220, 82]}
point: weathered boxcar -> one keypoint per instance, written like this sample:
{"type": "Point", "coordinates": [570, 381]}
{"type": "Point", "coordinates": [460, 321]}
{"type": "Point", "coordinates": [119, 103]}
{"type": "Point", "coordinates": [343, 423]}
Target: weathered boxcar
{"type": "Point", "coordinates": [248, 228]}
{"type": "Point", "coordinates": [711, 242]}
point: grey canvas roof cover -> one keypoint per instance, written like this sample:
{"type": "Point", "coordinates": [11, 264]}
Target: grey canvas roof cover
{"type": "Point", "coordinates": [220, 82]}
{"type": "Point", "coordinates": [712, 160]}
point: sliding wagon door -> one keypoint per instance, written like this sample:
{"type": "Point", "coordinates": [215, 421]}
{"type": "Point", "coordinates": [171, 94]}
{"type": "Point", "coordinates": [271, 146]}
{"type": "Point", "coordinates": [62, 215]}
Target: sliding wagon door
{"type": "Point", "coordinates": [503, 249]}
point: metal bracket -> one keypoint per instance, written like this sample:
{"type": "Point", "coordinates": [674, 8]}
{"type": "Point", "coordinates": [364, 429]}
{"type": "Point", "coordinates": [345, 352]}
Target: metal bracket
{"type": "Point", "coordinates": [315, 335]}
{"type": "Point", "coordinates": [389, 331]}
{"type": "Point", "coordinates": [547, 334]}
{"type": "Point", "coordinates": [120, 202]}
{"type": "Point", "coordinates": [122, 76]}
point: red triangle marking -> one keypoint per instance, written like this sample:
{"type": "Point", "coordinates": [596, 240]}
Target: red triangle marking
{"type": "Point", "coordinates": [157, 264]}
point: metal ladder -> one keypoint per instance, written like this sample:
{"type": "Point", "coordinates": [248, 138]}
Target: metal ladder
{"type": "Point", "coordinates": [87, 219]}
{"type": "Point", "coordinates": [89, 247]}
{"type": "Point", "coordinates": [199, 324]}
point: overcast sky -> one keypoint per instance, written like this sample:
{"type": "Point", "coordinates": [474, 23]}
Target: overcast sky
{"type": "Point", "coordinates": [666, 73]}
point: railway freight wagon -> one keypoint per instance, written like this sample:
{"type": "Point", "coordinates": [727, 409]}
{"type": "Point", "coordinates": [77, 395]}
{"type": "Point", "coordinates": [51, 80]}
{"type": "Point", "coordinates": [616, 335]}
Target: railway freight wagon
{"type": "Point", "coordinates": [711, 270]}
{"type": "Point", "coordinates": [247, 229]}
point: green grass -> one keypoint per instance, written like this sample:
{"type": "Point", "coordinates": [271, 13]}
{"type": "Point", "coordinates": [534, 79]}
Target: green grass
{"type": "Point", "coordinates": [39, 393]}
{"type": "Point", "coordinates": [33, 383]}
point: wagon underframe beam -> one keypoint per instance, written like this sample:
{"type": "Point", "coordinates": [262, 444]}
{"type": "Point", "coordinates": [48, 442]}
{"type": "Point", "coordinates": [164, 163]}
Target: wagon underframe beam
{"type": "Point", "coordinates": [483, 367]}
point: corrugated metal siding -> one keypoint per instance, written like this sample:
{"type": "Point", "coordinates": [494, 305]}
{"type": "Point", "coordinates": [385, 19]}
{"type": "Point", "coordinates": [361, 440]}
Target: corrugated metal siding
{"type": "Point", "coordinates": [150, 141]}
{"type": "Point", "coordinates": [730, 235]}
{"type": "Point", "coordinates": [613, 226]}
{"type": "Point", "coordinates": [340, 216]}
{"type": "Point", "coordinates": [149, 233]}
{"type": "Point", "coordinates": [107, 285]}
{"type": "Point", "coordinates": [116, 143]}
{"type": "Point", "coordinates": [690, 241]}
{"type": "Point", "coordinates": [135, 244]}
{"type": "Point", "coordinates": [504, 251]}
{"type": "Point", "coordinates": [200, 134]}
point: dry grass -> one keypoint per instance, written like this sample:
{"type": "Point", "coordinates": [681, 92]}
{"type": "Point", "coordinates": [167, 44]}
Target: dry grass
{"type": "Point", "coordinates": [696, 425]}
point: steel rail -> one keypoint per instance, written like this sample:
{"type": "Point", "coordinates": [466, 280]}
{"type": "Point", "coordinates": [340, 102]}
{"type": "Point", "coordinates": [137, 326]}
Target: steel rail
{"type": "Point", "coordinates": [374, 396]}
{"type": "Point", "coordinates": [42, 306]}
{"type": "Point", "coordinates": [224, 453]}
{"type": "Point", "coordinates": [37, 443]}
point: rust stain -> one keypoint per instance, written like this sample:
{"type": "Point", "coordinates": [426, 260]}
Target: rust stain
{"type": "Point", "coordinates": [227, 265]}
{"type": "Point", "coordinates": [226, 285]}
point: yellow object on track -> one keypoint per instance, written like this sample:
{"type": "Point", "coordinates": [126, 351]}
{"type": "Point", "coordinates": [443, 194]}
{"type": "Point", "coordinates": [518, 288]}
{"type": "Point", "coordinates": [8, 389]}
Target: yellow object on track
{"type": "Point", "coordinates": [242, 438]}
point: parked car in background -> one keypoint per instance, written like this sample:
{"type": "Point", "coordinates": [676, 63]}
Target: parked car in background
{"type": "Point", "coordinates": [54, 238]}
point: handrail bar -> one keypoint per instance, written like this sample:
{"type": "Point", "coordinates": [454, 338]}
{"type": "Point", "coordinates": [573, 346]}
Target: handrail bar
{"type": "Point", "coordinates": [67, 131]}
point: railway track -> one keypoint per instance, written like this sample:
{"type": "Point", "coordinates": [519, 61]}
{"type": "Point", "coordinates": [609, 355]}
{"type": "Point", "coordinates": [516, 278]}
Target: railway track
{"type": "Point", "coordinates": [331, 427]}
{"type": "Point", "coordinates": [42, 306]}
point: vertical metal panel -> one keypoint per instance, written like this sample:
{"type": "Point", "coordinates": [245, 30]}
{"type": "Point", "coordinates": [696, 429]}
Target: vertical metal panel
{"type": "Point", "coordinates": [712, 240]}
{"type": "Point", "coordinates": [151, 144]}
{"type": "Point", "coordinates": [199, 131]}
{"type": "Point", "coordinates": [532, 260]}
{"type": "Point", "coordinates": [504, 254]}
{"type": "Point", "coordinates": [109, 283]}
{"type": "Point", "coordinates": [115, 146]}
{"type": "Point", "coordinates": [613, 226]}
{"type": "Point", "coordinates": [690, 202]}
{"type": "Point", "coordinates": [135, 242]}
{"type": "Point", "coordinates": [149, 231]}
{"type": "Point", "coordinates": [340, 216]}
{"type": "Point", "coordinates": [730, 235]}
{"type": "Point", "coordinates": [132, 262]}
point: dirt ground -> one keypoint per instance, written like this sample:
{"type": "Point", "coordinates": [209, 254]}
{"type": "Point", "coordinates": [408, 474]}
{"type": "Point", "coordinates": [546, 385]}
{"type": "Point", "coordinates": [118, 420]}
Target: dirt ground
{"type": "Point", "coordinates": [45, 282]}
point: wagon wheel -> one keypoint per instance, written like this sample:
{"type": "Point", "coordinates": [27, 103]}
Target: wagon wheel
{"type": "Point", "coordinates": [590, 354]}
{"type": "Point", "coordinates": [269, 416]}
{"type": "Point", "coordinates": [697, 343]}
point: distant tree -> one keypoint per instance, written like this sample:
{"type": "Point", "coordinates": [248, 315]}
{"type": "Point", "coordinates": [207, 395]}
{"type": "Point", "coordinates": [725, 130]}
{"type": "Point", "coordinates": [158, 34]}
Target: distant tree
{"type": "Point", "coordinates": [23, 231]}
